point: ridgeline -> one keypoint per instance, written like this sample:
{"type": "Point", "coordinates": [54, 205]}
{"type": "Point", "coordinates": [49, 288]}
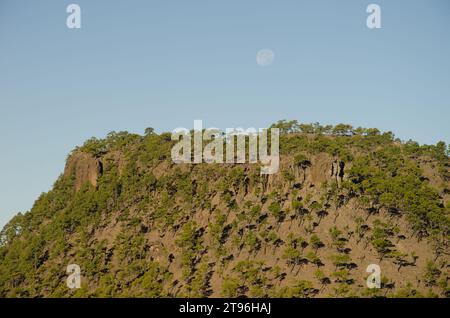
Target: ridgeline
{"type": "Point", "coordinates": [139, 225]}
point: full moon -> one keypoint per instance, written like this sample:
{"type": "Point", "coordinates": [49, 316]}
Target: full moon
{"type": "Point", "coordinates": [265, 57]}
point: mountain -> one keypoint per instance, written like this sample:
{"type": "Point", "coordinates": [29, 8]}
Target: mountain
{"type": "Point", "coordinates": [139, 225]}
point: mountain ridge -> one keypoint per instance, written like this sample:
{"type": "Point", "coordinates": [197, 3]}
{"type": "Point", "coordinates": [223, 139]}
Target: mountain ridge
{"type": "Point", "coordinates": [139, 225]}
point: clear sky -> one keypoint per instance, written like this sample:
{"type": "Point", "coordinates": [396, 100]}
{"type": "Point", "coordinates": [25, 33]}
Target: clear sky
{"type": "Point", "coordinates": [135, 64]}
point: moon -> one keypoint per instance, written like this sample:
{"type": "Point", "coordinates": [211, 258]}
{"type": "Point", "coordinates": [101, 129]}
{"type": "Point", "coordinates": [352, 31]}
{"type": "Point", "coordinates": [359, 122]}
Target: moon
{"type": "Point", "coordinates": [265, 57]}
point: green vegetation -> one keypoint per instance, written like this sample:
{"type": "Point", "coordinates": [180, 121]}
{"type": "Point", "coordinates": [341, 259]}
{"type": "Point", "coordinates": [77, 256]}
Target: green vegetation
{"type": "Point", "coordinates": [150, 228]}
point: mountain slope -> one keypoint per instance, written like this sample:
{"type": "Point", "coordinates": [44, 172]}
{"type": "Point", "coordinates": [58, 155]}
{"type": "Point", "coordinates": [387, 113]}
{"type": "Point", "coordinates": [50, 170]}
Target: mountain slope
{"type": "Point", "coordinates": [139, 225]}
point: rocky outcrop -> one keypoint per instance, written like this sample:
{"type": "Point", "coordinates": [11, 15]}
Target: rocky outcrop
{"type": "Point", "coordinates": [84, 167]}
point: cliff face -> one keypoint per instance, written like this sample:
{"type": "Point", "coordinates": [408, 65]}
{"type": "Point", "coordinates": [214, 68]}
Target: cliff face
{"type": "Point", "coordinates": [84, 167]}
{"type": "Point", "coordinates": [139, 225]}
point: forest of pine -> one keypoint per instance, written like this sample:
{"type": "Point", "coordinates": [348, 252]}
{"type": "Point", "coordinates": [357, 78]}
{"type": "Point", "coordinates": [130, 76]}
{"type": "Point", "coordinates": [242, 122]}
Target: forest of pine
{"type": "Point", "coordinates": [139, 225]}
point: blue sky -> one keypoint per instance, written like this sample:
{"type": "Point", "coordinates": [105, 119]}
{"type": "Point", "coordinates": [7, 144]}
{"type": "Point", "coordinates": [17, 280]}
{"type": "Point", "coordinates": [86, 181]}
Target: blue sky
{"type": "Point", "coordinates": [162, 64]}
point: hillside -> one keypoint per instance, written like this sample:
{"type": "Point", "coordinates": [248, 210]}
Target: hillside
{"type": "Point", "coordinates": [139, 225]}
